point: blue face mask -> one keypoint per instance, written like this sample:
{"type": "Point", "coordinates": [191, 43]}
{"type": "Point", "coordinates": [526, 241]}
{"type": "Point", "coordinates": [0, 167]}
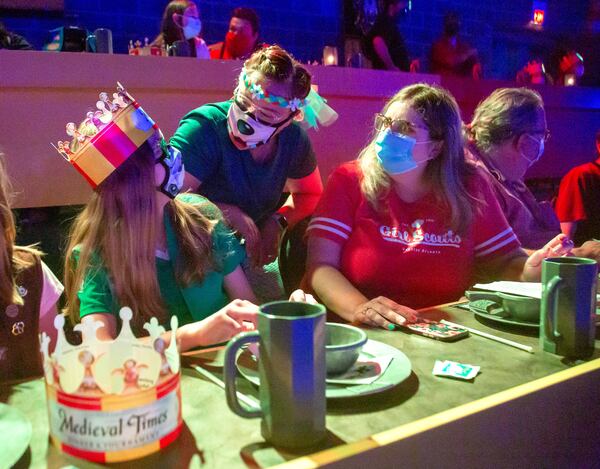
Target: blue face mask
{"type": "Point", "coordinates": [394, 152]}
{"type": "Point", "coordinates": [192, 27]}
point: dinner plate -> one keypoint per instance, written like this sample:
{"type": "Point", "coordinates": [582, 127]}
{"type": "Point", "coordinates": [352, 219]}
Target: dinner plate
{"type": "Point", "coordinates": [16, 435]}
{"type": "Point", "coordinates": [397, 371]}
{"type": "Point", "coordinates": [507, 321]}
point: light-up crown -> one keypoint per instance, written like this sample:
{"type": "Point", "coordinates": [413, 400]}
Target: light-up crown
{"type": "Point", "coordinates": [121, 366]}
{"type": "Point", "coordinates": [107, 136]}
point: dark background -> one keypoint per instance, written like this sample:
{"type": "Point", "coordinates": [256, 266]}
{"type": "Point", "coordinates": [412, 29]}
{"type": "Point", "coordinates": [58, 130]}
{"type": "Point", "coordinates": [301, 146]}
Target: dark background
{"type": "Point", "coordinates": [496, 28]}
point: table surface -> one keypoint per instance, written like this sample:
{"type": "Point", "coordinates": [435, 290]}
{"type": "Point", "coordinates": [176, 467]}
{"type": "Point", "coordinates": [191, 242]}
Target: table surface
{"type": "Point", "coordinates": [215, 437]}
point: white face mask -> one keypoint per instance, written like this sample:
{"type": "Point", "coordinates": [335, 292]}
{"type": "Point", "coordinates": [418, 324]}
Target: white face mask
{"type": "Point", "coordinates": [540, 150]}
{"type": "Point", "coordinates": [245, 127]}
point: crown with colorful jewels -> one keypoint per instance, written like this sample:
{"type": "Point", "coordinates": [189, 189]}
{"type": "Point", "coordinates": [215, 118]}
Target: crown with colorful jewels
{"type": "Point", "coordinates": [113, 400]}
{"type": "Point", "coordinates": [107, 137]}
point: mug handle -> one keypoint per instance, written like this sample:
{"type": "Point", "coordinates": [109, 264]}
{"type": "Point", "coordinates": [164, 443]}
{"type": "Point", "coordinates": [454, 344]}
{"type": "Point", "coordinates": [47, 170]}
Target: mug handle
{"type": "Point", "coordinates": [551, 304]}
{"type": "Point", "coordinates": [230, 373]}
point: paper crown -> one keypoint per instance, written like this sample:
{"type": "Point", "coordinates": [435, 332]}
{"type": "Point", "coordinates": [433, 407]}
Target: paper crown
{"type": "Point", "coordinates": [107, 136]}
{"type": "Point", "coordinates": [113, 400]}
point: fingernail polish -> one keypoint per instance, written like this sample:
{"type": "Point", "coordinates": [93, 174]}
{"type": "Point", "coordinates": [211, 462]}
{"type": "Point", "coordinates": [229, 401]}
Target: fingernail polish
{"type": "Point", "coordinates": [391, 327]}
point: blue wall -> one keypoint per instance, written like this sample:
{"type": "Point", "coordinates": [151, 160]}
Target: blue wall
{"type": "Point", "coordinates": [495, 28]}
{"type": "Point", "coordinates": [302, 26]}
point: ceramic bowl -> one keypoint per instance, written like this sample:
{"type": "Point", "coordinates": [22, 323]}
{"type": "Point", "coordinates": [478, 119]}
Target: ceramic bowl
{"type": "Point", "coordinates": [343, 345]}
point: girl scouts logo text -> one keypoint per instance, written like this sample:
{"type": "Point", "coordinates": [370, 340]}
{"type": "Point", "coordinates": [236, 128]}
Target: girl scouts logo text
{"type": "Point", "coordinates": [415, 235]}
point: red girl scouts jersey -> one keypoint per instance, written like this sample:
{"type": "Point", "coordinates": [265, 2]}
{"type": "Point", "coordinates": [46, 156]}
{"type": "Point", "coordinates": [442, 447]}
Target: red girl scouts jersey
{"type": "Point", "coordinates": [407, 252]}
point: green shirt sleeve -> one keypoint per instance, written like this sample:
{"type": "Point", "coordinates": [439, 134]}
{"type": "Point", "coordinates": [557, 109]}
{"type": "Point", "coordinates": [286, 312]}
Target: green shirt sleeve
{"type": "Point", "coordinates": [196, 138]}
{"type": "Point", "coordinates": [95, 294]}
{"type": "Point", "coordinates": [304, 161]}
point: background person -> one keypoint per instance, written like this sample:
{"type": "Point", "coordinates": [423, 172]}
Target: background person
{"type": "Point", "coordinates": [410, 224]}
{"type": "Point", "coordinates": [242, 38]}
{"type": "Point", "coordinates": [29, 292]}
{"type": "Point", "coordinates": [181, 22]}
{"type": "Point", "coordinates": [451, 55]}
{"type": "Point", "coordinates": [385, 46]}
{"type": "Point", "coordinates": [578, 202]}
{"type": "Point", "coordinates": [506, 136]}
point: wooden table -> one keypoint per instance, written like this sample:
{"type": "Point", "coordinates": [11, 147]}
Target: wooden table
{"type": "Point", "coordinates": [516, 393]}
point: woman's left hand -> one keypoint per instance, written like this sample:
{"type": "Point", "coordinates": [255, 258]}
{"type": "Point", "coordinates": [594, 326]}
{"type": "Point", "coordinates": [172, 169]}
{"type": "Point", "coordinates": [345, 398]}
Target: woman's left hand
{"type": "Point", "coordinates": [560, 245]}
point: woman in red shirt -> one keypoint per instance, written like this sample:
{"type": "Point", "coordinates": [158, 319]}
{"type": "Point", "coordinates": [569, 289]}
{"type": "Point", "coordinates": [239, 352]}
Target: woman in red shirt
{"type": "Point", "coordinates": [409, 224]}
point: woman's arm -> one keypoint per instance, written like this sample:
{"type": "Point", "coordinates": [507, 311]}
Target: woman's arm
{"type": "Point", "coordinates": [236, 317]}
{"type": "Point", "coordinates": [520, 267]}
{"type": "Point", "coordinates": [341, 297]}
{"type": "Point", "coordinates": [237, 286]}
{"type": "Point", "coordinates": [304, 196]}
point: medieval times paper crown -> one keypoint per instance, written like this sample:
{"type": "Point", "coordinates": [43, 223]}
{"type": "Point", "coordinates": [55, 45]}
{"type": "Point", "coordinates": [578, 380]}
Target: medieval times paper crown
{"type": "Point", "coordinates": [113, 400]}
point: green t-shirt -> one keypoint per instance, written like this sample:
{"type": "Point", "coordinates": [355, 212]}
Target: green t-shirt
{"type": "Point", "coordinates": [96, 293]}
{"type": "Point", "coordinates": [232, 176]}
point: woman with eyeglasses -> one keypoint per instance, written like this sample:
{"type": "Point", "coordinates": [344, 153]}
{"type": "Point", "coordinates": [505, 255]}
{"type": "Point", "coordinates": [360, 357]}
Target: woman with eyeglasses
{"type": "Point", "coordinates": [245, 153]}
{"type": "Point", "coordinates": [410, 223]}
{"type": "Point", "coordinates": [506, 137]}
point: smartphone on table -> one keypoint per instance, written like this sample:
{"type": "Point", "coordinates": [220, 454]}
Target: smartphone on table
{"type": "Point", "coordinates": [437, 330]}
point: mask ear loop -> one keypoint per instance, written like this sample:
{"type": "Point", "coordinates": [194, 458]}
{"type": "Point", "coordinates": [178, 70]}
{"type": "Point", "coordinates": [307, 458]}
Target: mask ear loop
{"type": "Point", "coordinates": [178, 20]}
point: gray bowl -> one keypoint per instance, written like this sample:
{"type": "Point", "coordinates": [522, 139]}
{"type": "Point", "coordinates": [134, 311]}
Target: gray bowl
{"type": "Point", "coordinates": [343, 344]}
{"type": "Point", "coordinates": [521, 308]}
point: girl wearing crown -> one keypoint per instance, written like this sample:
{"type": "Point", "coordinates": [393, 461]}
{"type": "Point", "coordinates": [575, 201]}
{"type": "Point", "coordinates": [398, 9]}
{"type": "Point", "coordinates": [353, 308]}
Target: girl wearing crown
{"type": "Point", "coordinates": [244, 153]}
{"type": "Point", "coordinates": [136, 244]}
{"type": "Point", "coordinates": [28, 295]}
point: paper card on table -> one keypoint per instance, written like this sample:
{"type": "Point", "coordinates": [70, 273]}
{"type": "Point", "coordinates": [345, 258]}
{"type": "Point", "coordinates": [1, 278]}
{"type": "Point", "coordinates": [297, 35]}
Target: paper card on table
{"type": "Point", "coordinates": [455, 369]}
{"type": "Point", "coordinates": [531, 289]}
{"type": "Point", "coordinates": [364, 371]}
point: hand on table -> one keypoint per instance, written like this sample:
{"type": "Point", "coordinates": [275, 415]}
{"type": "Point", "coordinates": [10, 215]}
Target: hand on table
{"type": "Point", "coordinates": [238, 316]}
{"type": "Point", "coordinates": [385, 313]}
{"type": "Point", "coordinates": [560, 245]}
{"type": "Point", "coordinates": [589, 249]}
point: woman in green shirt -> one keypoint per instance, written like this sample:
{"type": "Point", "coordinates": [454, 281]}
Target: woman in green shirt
{"type": "Point", "coordinates": [136, 244]}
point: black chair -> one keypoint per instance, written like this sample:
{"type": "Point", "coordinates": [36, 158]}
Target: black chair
{"type": "Point", "coordinates": [292, 256]}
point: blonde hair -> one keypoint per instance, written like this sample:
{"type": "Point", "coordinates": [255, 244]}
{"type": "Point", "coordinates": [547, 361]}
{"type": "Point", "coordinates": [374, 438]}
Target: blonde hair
{"type": "Point", "coordinates": [11, 263]}
{"type": "Point", "coordinates": [506, 113]}
{"type": "Point", "coordinates": [119, 226]}
{"type": "Point", "coordinates": [446, 173]}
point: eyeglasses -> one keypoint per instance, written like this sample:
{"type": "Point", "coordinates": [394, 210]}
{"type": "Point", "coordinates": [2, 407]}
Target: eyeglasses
{"type": "Point", "coordinates": [398, 126]}
{"type": "Point", "coordinates": [545, 133]}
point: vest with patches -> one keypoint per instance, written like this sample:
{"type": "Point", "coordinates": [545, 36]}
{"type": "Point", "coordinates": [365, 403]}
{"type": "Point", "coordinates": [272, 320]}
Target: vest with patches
{"type": "Point", "coordinates": [20, 356]}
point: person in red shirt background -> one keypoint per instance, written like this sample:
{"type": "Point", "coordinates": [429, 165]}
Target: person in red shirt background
{"type": "Point", "coordinates": [578, 203]}
{"type": "Point", "coordinates": [451, 55]}
{"type": "Point", "coordinates": [410, 224]}
{"type": "Point", "coordinates": [242, 39]}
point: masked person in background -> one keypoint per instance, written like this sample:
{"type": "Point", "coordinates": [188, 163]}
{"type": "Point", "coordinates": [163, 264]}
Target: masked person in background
{"type": "Point", "coordinates": [384, 44]}
{"type": "Point", "coordinates": [245, 153]}
{"type": "Point", "coordinates": [507, 135]}
{"type": "Point", "coordinates": [411, 224]}
{"type": "Point", "coordinates": [241, 39]}
{"type": "Point", "coordinates": [452, 55]}
{"type": "Point", "coordinates": [181, 22]}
